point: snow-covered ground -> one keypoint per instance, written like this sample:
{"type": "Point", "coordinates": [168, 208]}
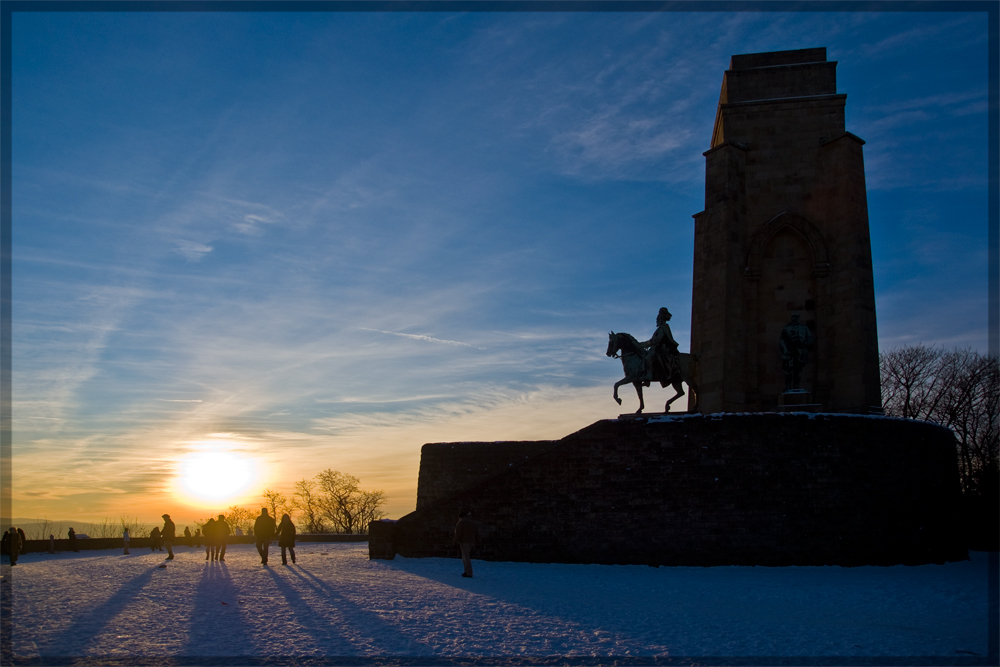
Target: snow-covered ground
{"type": "Point", "coordinates": [335, 602]}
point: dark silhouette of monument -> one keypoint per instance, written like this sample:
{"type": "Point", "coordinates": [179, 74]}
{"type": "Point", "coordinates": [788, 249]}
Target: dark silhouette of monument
{"type": "Point", "coordinates": [784, 230]}
{"type": "Point", "coordinates": [783, 333]}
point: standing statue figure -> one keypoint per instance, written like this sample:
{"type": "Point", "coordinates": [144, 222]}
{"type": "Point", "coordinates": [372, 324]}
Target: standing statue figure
{"type": "Point", "coordinates": [794, 342]}
{"type": "Point", "coordinates": [664, 359]}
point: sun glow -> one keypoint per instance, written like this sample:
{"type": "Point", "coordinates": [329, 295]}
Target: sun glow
{"type": "Point", "coordinates": [215, 475]}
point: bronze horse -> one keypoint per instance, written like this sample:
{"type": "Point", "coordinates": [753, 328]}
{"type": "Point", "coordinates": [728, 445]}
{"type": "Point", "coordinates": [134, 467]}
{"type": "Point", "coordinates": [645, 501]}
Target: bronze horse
{"type": "Point", "coordinates": [638, 367]}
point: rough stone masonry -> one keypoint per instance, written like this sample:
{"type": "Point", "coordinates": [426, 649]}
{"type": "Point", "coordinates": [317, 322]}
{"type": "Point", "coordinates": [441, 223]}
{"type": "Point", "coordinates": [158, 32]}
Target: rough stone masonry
{"type": "Point", "coordinates": [784, 231]}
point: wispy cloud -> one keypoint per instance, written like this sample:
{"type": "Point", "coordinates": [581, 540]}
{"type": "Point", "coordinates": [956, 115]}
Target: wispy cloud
{"type": "Point", "coordinates": [192, 250]}
{"type": "Point", "coordinates": [429, 339]}
{"type": "Point", "coordinates": [927, 32]}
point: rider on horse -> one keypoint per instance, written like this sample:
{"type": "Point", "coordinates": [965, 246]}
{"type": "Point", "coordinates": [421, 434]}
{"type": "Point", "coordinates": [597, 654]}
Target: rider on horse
{"type": "Point", "coordinates": [665, 359]}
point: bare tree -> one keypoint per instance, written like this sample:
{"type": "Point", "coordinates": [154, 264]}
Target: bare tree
{"type": "Point", "coordinates": [238, 517]}
{"type": "Point", "coordinates": [134, 525]}
{"type": "Point", "coordinates": [959, 390]}
{"type": "Point", "coordinates": [277, 503]}
{"type": "Point", "coordinates": [41, 529]}
{"type": "Point", "coordinates": [370, 507]}
{"type": "Point", "coordinates": [344, 504]}
{"type": "Point", "coordinates": [104, 529]}
{"type": "Point", "coordinates": [305, 501]}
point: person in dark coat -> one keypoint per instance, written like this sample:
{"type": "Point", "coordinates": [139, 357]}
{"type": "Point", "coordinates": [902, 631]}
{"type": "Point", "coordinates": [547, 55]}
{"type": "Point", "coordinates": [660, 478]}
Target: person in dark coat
{"type": "Point", "coordinates": [222, 532]}
{"type": "Point", "coordinates": [168, 535]}
{"type": "Point", "coordinates": [72, 539]}
{"type": "Point", "coordinates": [286, 538]}
{"type": "Point", "coordinates": [126, 538]}
{"type": "Point", "coordinates": [208, 530]}
{"type": "Point", "coordinates": [24, 541]}
{"type": "Point", "coordinates": [154, 539]}
{"type": "Point", "coordinates": [263, 530]}
{"type": "Point", "coordinates": [13, 545]}
{"type": "Point", "coordinates": [466, 534]}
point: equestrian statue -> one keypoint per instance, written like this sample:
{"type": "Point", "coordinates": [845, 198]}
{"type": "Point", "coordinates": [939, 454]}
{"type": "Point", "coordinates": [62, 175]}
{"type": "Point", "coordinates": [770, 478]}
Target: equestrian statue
{"type": "Point", "coordinates": [656, 360]}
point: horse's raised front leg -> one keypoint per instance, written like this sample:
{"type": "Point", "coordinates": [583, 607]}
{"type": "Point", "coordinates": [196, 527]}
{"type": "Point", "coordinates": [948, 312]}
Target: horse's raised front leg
{"type": "Point", "coordinates": [638, 389]}
{"type": "Point", "coordinates": [618, 384]}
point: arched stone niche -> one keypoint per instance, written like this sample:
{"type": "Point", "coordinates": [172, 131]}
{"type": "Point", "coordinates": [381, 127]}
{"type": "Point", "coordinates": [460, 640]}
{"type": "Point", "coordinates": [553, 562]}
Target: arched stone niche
{"type": "Point", "coordinates": [786, 264]}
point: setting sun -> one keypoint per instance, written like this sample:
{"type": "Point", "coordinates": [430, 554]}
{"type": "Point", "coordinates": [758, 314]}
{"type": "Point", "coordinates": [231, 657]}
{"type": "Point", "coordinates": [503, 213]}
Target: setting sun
{"type": "Point", "coordinates": [215, 475]}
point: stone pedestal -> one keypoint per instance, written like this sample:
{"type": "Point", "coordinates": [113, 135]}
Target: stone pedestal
{"type": "Point", "coordinates": [797, 400]}
{"type": "Point", "coordinates": [695, 490]}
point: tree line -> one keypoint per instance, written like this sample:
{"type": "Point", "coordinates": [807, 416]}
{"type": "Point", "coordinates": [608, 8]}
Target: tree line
{"type": "Point", "coordinates": [331, 502]}
{"type": "Point", "coordinates": [107, 527]}
{"type": "Point", "coordinates": [959, 389]}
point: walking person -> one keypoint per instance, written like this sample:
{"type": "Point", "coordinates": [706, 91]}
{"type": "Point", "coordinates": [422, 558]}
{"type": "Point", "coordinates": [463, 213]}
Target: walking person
{"type": "Point", "coordinates": [286, 538]}
{"type": "Point", "coordinates": [167, 534]}
{"type": "Point", "coordinates": [263, 530]}
{"type": "Point", "coordinates": [466, 534]}
{"type": "Point", "coordinates": [125, 540]}
{"type": "Point", "coordinates": [13, 544]}
{"type": "Point", "coordinates": [24, 542]}
{"type": "Point", "coordinates": [222, 532]}
{"type": "Point", "coordinates": [154, 539]}
{"type": "Point", "coordinates": [72, 540]}
{"type": "Point", "coordinates": [209, 532]}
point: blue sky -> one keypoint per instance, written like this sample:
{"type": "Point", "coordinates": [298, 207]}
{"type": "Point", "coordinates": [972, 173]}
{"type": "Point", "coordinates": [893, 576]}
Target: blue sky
{"type": "Point", "coordinates": [320, 240]}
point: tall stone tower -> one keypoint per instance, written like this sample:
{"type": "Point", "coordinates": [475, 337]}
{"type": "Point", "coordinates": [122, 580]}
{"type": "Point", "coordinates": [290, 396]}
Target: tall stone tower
{"type": "Point", "coordinates": [784, 231]}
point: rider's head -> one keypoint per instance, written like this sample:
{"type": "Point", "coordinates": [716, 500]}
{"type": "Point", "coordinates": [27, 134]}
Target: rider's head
{"type": "Point", "coordinates": [663, 316]}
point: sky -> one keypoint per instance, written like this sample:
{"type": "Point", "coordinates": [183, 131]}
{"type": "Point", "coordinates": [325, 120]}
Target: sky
{"type": "Point", "coordinates": [312, 240]}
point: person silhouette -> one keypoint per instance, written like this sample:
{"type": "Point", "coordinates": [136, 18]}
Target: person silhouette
{"type": "Point", "coordinates": [286, 538]}
{"type": "Point", "coordinates": [222, 532]}
{"type": "Point", "coordinates": [263, 530]}
{"type": "Point", "coordinates": [209, 533]}
{"type": "Point", "coordinates": [167, 535]}
{"type": "Point", "coordinates": [466, 534]}
{"type": "Point", "coordinates": [13, 541]}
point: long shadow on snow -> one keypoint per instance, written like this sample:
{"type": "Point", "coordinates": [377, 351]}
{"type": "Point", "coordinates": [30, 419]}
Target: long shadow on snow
{"type": "Point", "coordinates": [211, 620]}
{"type": "Point", "coordinates": [564, 600]}
{"type": "Point", "coordinates": [319, 627]}
{"type": "Point", "coordinates": [367, 622]}
{"type": "Point", "coordinates": [74, 639]}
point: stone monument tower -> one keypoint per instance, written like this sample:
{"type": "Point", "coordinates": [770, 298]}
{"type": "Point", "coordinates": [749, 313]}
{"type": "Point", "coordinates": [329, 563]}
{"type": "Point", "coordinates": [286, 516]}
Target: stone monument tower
{"type": "Point", "coordinates": [783, 246]}
{"type": "Point", "coordinates": [783, 319]}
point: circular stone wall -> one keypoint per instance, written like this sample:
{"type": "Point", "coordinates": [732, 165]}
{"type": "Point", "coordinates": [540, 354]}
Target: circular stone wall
{"type": "Point", "coordinates": [724, 489]}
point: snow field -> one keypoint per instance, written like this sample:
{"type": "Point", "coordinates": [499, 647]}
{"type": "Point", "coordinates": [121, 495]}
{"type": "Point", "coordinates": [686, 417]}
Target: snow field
{"type": "Point", "coordinates": [335, 602]}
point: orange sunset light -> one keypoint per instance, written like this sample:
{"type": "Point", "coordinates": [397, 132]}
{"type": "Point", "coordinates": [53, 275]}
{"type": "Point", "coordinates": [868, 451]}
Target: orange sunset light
{"type": "Point", "coordinates": [215, 474]}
